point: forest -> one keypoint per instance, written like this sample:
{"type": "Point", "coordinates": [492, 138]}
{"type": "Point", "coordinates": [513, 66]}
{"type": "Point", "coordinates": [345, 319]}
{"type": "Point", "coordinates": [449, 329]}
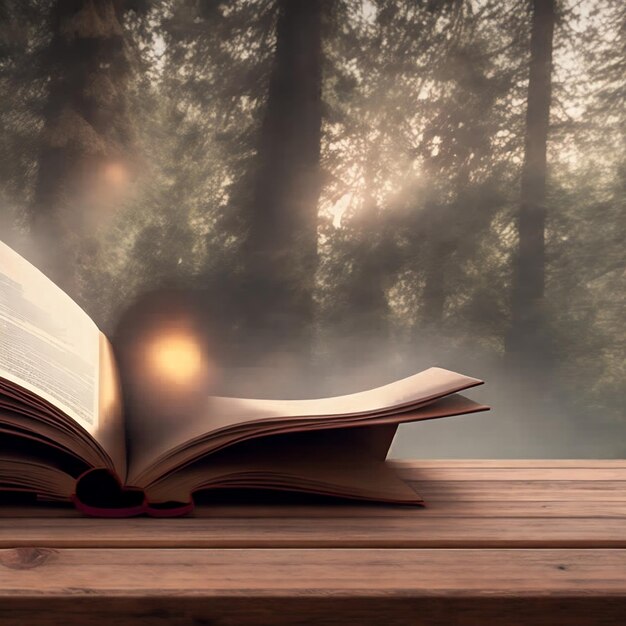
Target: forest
{"type": "Point", "coordinates": [344, 191]}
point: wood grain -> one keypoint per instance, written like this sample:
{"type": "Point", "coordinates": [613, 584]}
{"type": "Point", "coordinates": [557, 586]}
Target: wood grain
{"type": "Point", "coordinates": [441, 508]}
{"type": "Point", "coordinates": [406, 531]}
{"type": "Point", "coordinates": [183, 572]}
{"type": "Point", "coordinates": [585, 492]}
{"type": "Point", "coordinates": [314, 586]}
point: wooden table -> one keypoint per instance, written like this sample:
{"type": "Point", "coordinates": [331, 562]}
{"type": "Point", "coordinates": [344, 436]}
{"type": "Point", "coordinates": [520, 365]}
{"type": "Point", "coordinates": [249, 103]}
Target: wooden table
{"type": "Point", "coordinates": [500, 542]}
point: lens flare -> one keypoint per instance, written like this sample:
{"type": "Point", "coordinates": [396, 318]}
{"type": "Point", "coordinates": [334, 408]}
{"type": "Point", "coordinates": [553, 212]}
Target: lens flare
{"type": "Point", "coordinates": [115, 174]}
{"type": "Point", "coordinates": [175, 357]}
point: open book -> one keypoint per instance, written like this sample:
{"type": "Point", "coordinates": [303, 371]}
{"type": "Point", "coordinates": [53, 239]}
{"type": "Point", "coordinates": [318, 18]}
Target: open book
{"type": "Point", "coordinates": [64, 434]}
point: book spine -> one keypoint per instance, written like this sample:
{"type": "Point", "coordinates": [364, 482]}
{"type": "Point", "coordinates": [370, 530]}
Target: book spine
{"type": "Point", "coordinates": [100, 493]}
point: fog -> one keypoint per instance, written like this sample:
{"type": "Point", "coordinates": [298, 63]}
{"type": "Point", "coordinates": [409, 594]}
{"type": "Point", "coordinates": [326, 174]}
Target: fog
{"type": "Point", "coordinates": [340, 193]}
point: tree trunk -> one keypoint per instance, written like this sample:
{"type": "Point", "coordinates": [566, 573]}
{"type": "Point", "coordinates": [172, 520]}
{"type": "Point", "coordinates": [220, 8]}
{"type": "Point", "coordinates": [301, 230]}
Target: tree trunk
{"type": "Point", "coordinates": [86, 134]}
{"type": "Point", "coordinates": [527, 316]}
{"type": "Point", "coordinates": [280, 250]}
{"type": "Point", "coordinates": [441, 244]}
{"type": "Point", "coordinates": [434, 294]}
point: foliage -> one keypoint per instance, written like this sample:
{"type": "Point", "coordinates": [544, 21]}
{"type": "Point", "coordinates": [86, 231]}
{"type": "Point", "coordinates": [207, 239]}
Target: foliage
{"type": "Point", "coordinates": [422, 148]}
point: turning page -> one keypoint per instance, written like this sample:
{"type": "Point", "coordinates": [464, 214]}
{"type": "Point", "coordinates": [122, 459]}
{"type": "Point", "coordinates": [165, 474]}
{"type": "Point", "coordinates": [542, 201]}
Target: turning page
{"type": "Point", "coordinates": [219, 414]}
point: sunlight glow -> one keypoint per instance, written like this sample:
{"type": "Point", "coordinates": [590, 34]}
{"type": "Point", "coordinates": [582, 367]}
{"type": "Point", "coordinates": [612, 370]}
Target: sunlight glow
{"type": "Point", "coordinates": [176, 357]}
{"type": "Point", "coordinates": [115, 174]}
{"type": "Point", "coordinates": [339, 208]}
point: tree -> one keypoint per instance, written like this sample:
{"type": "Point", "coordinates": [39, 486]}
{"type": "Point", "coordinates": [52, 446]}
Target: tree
{"type": "Point", "coordinates": [526, 336]}
{"type": "Point", "coordinates": [383, 54]}
{"type": "Point", "coordinates": [84, 162]}
{"type": "Point", "coordinates": [21, 37]}
{"type": "Point", "coordinates": [461, 161]}
{"type": "Point", "coordinates": [421, 115]}
{"type": "Point", "coordinates": [279, 253]}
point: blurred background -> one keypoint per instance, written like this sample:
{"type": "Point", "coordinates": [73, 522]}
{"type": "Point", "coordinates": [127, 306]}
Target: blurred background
{"type": "Point", "coordinates": [345, 191]}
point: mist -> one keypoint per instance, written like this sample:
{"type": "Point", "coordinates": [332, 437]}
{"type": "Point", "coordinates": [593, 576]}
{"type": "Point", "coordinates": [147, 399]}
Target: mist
{"type": "Point", "coordinates": [340, 193]}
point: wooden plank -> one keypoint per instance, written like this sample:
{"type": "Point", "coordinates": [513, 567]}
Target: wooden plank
{"type": "Point", "coordinates": [437, 508]}
{"type": "Point", "coordinates": [584, 492]}
{"type": "Point", "coordinates": [414, 531]}
{"type": "Point", "coordinates": [228, 587]}
{"type": "Point", "coordinates": [31, 572]}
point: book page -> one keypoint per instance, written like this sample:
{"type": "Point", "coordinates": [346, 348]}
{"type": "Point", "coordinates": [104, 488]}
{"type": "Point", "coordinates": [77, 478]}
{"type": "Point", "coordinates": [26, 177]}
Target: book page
{"type": "Point", "coordinates": [162, 433]}
{"type": "Point", "coordinates": [353, 466]}
{"type": "Point", "coordinates": [426, 385]}
{"type": "Point", "coordinates": [48, 344]}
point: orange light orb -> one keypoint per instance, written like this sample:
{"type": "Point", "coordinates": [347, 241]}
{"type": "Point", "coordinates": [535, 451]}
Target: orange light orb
{"type": "Point", "coordinates": [175, 357]}
{"type": "Point", "coordinates": [115, 174]}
